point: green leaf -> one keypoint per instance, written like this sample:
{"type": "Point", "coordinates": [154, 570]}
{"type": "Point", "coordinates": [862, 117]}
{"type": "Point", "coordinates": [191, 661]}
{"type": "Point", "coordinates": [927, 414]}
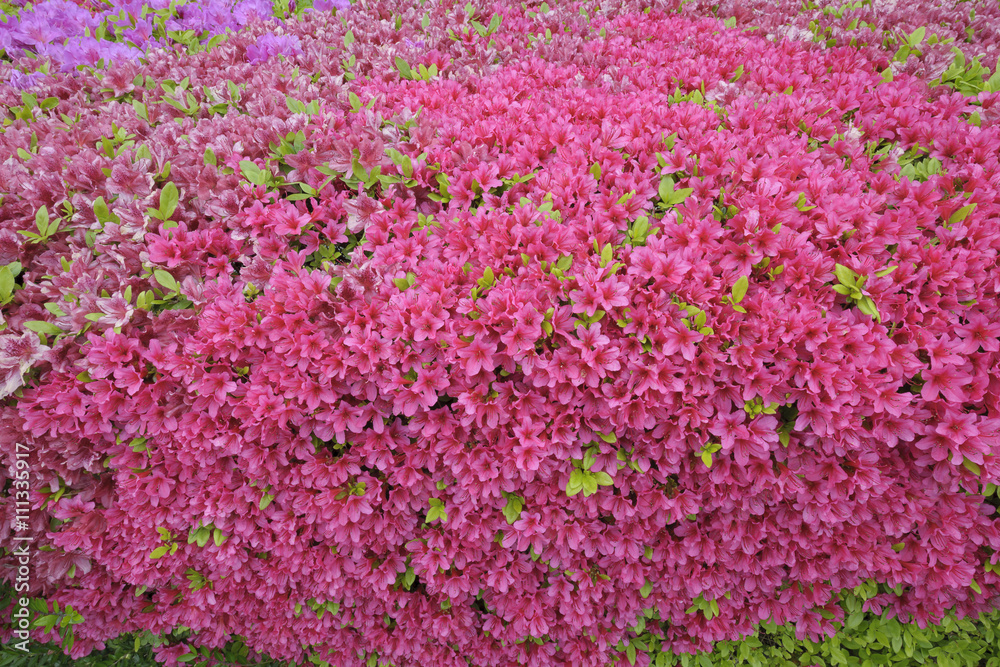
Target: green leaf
{"type": "Point", "coordinates": [666, 188]}
{"type": "Point", "coordinates": [159, 552]}
{"type": "Point", "coordinates": [6, 283]}
{"type": "Point", "coordinates": [42, 327]}
{"type": "Point", "coordinates": [607, 254]}
{"type": "Point", "coordinates": [404, 68]}
{"type": "Point", "coordinates": [488, 278]}
{"type": "Point", "coordinates": [358, 171]}
{"type": "Point", "coordinates": [253, 173]}
{"type": "Point", "coordinates": [265, 500]}
{"type": "Point", "coordinates": [971, 466]}
{"type": "Point", "coordinates": [42, 220]}
{"type": "Point", "coordinates": [730, 22]}
{"type": "Point", "coordinates": [646, 589]}
{"type": "Point", "coordinates": [740, 289]}
{"type": "Point", "coordinates": [917, 36]}
{"type": "Point", "coordinates": [48, 622]}
{"type": "Point", "coordinates": [200, 537]}
{"type": "Point", "coordinates": [55, 309]}
{"type": "Point", "coordinates": [168, 200]}
{"type": "Point", "coordinates": [867, 306]}
{"type": "Point", "coordinates": [961, 214]}
{"type": "Point", "coordinates": [885, 272]}
{"type": "Point", "coordinates": [603, 478]}
{"type": "Point", "coordinates": [575, 484]}
{"type": "Point", "coordinates": [103, 214]}
{"type": "Point", "coordinates": [845, 275]}
{"type": "Point", "coordinates": [678, 196]}
{"type": "Point", "coordinates": [165, 279]}
{"type": "Point", "coordinates": [512, 510]}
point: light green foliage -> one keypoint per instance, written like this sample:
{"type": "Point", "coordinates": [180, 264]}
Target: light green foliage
{"type": "Point", "coordinates": [436, 511]}
{"type": "Point", "coordinates": [169, 198]}
{"type": "Point", "coordinates": [639, 231]}
{"type": "Point", "coordinates": [670, 195]}
{"type": "Point", "coordinates": [695, 319]}
{"type": "Point", "coordinates": [968, 78]}
{"type": "Point", "coordinates": [863, 640]}
{"type": "Point", "coordinates": [583, 478]}
{"type": "Point", "coordinates": [512, 510]}
{"type": "Point", "coordinates": [911, 45]}
{"type": "Point", "coordinates": [705, 454]}
{"type": "Point", "coordinates": [46, 226]}
{"type": "Point", "coordinates": [756, 406]}
{"type": "Point", "coordinates": [737, 293]}
{"type": "Point", "coordinates": [852, 286]}
{"type": "Point", "coordinates": [8, 281]}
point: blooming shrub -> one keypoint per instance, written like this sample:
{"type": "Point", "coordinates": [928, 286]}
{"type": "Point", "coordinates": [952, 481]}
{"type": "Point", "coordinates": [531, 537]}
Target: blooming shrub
{"type": "Point", "coordinates": [502, 334]}
{"type": "Point", "coordinates": [77, 33]}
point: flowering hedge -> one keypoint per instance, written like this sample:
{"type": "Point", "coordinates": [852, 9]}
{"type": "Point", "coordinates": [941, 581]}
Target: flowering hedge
{"type": "Point", "coordinates": [501, 334]}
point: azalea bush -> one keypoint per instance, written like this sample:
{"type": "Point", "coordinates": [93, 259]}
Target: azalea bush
{"type": "Point", "coordinates": [502, 333]}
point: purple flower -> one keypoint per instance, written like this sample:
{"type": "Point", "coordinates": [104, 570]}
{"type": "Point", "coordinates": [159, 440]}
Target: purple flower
{"type": "Point", "coordinates": [88, 51]}
{"type": "Point", "coordinates": [330, 5]}
{"type": "Point", "coordinates": [245, 10]}
{"type": "Point", "coordinates": [21, 81]}
{"type": "Point", "coordinates": [215, 16]}
{"type": "Point", "coordinates": [269, 45]}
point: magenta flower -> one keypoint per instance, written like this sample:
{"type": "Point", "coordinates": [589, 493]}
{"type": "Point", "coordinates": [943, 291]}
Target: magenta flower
{"type": "Point", "coordinates": [336, 400]}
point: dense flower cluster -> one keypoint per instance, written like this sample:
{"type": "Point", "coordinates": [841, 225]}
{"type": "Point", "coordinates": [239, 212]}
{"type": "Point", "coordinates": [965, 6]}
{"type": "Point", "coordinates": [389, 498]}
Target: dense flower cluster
{"type": "Point", "coordinates": [74, 34]}
{"type": "Point", "coordinates": [878, 27]}
{"type": "Point", "coordinates": [503, 334]}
